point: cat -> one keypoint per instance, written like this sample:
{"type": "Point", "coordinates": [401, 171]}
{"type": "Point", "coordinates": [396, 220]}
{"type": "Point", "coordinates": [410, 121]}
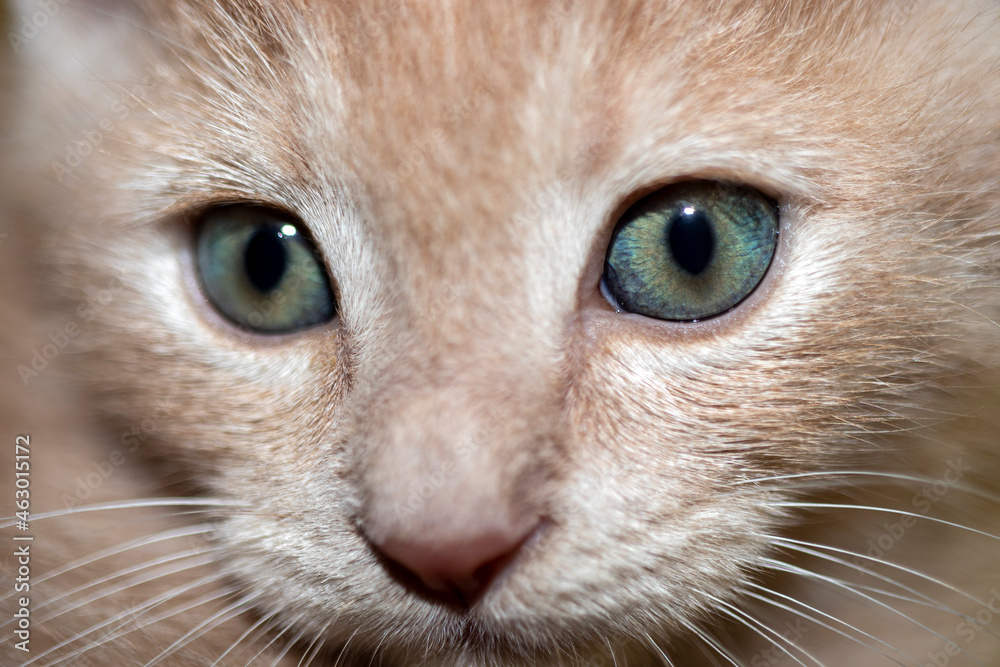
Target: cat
{"type": "Point", "coordinates": [637, 332]}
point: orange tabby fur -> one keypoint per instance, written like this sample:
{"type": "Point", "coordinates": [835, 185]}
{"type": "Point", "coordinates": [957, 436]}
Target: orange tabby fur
{"type": "Point", "coordinates": [462, 166]}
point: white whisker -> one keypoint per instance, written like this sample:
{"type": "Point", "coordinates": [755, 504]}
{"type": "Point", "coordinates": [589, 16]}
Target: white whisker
{"type": "Point", "coordinates": [343, 650]}
{"type": "Point", "coordinates": [791, 569]}
{"type": "Point", "coordinates": [222, 616]}
{"type": "Point", "coordinates": [761, 628]}
{"type": "Point", "coordinates": [254, 630]}
{"type": "Point", "coordinates": [132, 569]}
{"type": "Point", "coordinates": [837, 476]}
{"type": "Point", "coordinates": [121, 631]}
{"type": "Point", "coordinates": [614, 658]}
{"type": "Point", "coordinates": [173, 533]}
{"type": "Point", "coordinates": [711, 642]}
{"type": "Point", "coordinates": [792, 504]}
{"type": "Point", "coordinates": [276, 637]}
{"type": "Point", "coordinates": [135, 504]}
{"type": "Point", "coordinates": [125, 614]}
{"type": "Point", "coordinates": [378, 646]}
{"type": "Point", "coordinates": [821, 623]}
{"type": "Point", "coordinates": [131, 583]}
{"type": "Point", "coordinates": [804, 547]}
{"type": "Point", "coordinates": [288, 647]}
{"type": "Point", "coordinates": [313, 649]}
{"type": "Point", "coordinates": [667, 661]}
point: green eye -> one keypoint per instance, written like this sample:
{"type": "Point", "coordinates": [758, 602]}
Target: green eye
{"type": "Point", "coordinates": [691, 251]}
{"type": "Point", "coordinates": [260, 270]}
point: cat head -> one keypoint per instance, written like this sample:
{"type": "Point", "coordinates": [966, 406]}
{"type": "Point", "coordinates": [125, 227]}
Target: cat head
{"type": "Point", "coordinates": [473, 445]}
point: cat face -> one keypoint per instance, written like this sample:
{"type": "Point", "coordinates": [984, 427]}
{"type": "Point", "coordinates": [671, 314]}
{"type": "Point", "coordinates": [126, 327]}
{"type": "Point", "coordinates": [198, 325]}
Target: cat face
{"type": "Point", "coordinates": [475, 454]}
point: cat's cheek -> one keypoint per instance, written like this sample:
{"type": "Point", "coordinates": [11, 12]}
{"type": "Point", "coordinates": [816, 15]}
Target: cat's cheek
{"type": "Point", "coordinates": [187, 409]}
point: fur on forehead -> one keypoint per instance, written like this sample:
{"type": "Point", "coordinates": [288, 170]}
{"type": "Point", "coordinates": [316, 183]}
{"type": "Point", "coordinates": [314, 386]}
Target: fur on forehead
{"type": "Point", "coordinates": [439, 121]}
{"type": "Point", "coordinates": [411, 79]}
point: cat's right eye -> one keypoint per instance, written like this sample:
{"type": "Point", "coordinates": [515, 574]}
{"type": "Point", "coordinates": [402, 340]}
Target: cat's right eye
{"type": "Point", "coordinates": [260, 270]}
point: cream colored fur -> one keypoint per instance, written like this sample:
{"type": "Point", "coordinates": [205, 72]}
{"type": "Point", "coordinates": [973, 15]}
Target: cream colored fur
{"type": "Point", "coordinates": [462, 166]}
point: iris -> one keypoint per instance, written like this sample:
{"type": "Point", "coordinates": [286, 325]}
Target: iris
{"type": "Point", "coordinates": [260, 271]}
{"type": "Point", "coordinates": [691, 250]}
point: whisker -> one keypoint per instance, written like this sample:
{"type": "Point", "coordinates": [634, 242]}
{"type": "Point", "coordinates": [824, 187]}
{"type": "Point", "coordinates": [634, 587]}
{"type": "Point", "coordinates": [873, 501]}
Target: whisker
{"type": "Point", "coordinates": [275, 638]}
{"type": "Point", "coordinates": [923, 603]}
{"type": "Point", "coordinates": [833, 618]}
{"type": "Point", "coordinates": [813, 619]}
{"type": "Point", "coordinates": [131, 569]}
{"type": "Point", "coordinates": [667, 661]}
{"type": "Point", "coordinates": [194, 604]}
{"type": "Point", "coordinates": [125, 585]}
{"type": "Point", "coordinates": [135, 504]}
{"type": "Point", "coordinates": [222, 616]}
{"type": "Point", "coordinates": [173, 533]}
{"type": "Point", "coordinates": [260, 625]}
{"type": "Point", "coordinates": [793, 504]}
{"type": "Point", "coordinates": [343, 650]}
{"type": "Point", "coordinates": [711, 642]}
{"type": "Point", "coordinates": [750, 622]}
{"type": "Point", "coordinates": [836, 474]}
{"type": "Point", "coordinates": [313, 649]}
{"type": "Point", "coordinates": [378, 646]}
{"type": "Point", "coordinates": [803, 547]}
{"type": "Point", "coordinates": [704, 649]}
{"type": "Point", "coordinates": [124, 614]}
{"type": "Point", "coordinates": [792, 569]}
{"type": "Point", "coordinates": [614, 658]}
{"type": "Point", "coordinates": [288, 646]}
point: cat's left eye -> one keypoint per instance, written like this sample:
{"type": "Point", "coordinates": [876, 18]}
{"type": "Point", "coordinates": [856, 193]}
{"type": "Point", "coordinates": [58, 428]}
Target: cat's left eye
{"type": "Point", "coordinates": [261, 271]}
{"type": "Point", "coordinates": [691, 251]}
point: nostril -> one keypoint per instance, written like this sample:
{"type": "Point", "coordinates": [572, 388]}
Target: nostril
{"type": "Point", "coordinates": [456, 566]}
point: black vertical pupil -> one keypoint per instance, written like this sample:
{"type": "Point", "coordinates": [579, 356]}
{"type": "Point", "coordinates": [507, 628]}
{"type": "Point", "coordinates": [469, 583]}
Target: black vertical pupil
{"type": "Point", "coordinates": [265, 259]}
{"type": "Point", "coordinates": [691, 239]}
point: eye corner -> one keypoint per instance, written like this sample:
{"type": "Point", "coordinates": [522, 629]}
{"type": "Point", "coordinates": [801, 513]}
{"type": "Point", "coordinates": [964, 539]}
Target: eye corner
{"type": "Point", "coordinates": [609, 297]}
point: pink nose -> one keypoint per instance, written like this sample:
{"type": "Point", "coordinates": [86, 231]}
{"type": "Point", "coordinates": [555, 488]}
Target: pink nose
{"type": "Point", "coordinates": [455, 561]}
